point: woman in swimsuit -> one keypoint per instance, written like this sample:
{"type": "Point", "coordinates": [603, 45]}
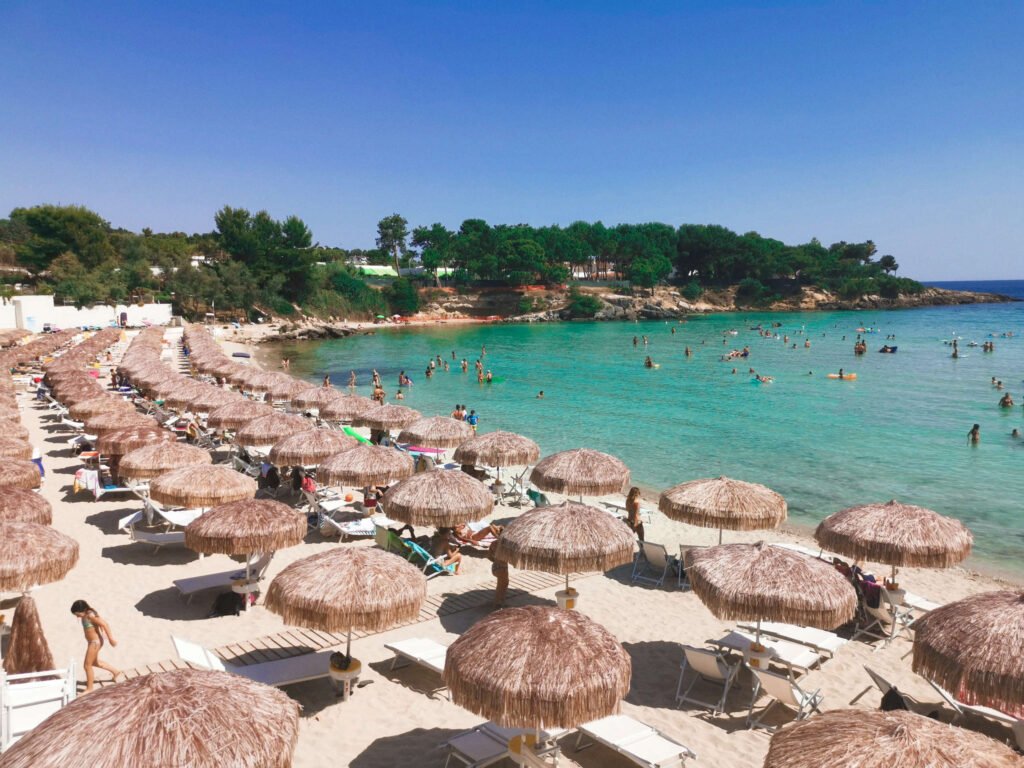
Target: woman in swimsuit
{"type": "Point", "coordinates": [95, 629]}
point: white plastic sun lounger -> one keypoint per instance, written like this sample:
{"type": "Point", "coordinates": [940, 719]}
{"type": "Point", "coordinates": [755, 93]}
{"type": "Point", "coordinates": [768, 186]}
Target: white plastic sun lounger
{"type": "Point", "coordinates": [421, 651]}
{"type": "Point", "coordinates": [195, 584]}
{"type": "Point", "coordinates": [27, 700]}
{"type": "Point", "coordinates": [294, 669]}
{"type": "Point", "coordinates": [156, 539]}
{"type": "Point", "coordinates": [792, 655]}
{"type": "Point", "coordinates": [488, 743]}
{"type": "Point", "coordinates": [637, 741]}
{"type": "Point", "coordinates": [821, 640]}
{"type": "Point", "coordinates": [961, 709]}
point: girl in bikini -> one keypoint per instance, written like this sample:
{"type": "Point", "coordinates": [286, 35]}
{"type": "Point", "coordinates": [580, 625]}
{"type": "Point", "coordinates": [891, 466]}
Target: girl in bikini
{"type": "Point", "coordinates": [95, 629]}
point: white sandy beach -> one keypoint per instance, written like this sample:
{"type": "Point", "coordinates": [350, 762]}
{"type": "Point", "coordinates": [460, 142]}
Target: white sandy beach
{"type": "Point", "coordinates": [393, 721]}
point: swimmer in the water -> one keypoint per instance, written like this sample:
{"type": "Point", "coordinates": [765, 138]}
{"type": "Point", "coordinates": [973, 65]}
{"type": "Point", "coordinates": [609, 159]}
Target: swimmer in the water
{"type": "Point", "coordinates": [974, 436]}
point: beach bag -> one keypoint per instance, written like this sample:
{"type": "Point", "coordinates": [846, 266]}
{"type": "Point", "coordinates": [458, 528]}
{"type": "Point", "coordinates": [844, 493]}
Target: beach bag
{"type": "Point", "coordinates": [893, 700]}
{"type": "Point", "coordinates": [308, 484]}
{"type": "Point", "coordinates": [231, 604]}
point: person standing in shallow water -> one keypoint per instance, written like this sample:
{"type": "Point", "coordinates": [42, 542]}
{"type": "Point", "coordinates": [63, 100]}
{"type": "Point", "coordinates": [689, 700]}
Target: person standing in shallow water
{"type": "Point", "coordinates": [974, 436]}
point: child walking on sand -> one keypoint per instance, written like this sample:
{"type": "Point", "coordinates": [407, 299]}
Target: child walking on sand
{"type": "Point", "coordinates": [96, 631]}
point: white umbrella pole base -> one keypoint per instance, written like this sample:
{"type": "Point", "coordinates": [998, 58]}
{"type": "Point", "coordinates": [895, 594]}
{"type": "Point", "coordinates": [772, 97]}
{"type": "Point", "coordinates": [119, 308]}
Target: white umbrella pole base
{"type": "Point", "coordinates": [344, 678]}
{"type": "Point", "coordinates": [567, 598]}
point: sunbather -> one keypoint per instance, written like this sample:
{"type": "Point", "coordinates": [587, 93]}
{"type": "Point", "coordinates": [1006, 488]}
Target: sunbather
{"type": "Point", "coordinates": [464, 534]}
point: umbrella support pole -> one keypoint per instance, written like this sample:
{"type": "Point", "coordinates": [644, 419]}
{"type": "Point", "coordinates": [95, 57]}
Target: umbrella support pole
{"type": "Point", "coordinates": [719, 535]}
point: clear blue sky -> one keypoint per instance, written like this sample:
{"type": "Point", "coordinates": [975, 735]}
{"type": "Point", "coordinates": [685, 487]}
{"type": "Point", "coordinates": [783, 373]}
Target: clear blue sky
{"type": "Point", "coordinates": [900, 122]}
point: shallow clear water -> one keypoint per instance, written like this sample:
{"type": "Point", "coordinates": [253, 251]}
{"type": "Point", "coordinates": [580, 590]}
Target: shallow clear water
{"type": "Point", "coordinates": [898, 431]}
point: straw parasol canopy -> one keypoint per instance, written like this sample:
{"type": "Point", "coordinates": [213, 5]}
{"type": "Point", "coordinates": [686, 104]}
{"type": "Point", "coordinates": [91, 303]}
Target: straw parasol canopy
{"type": "Point", "coordinates": [121, 441]}
{"type": "Point", "coordinates": [314, 398]}
{"type": "Point", "coordinates": [98, 405]}
{"type": "Point", "coordinates": [181, 397]}
{"type": "Point", "coordinates": [310, 447]}
{"type": "Point", "coordinates": [202, 486]}
{"type": "Point", "coordinates": [565, 538]}
{"type": "Point", "coordinates": [153, 460]}
{"type": "Point", "coordinates": [114, 420]}
{"type": "Point", "coordinates": [19, 473]}
{"type": "Point", "coordinates": [721, 502]}
{"type": "Point", "coordinates": [975, 648]}
{"type": "Point", "coordinates": [386, 417]}
{"type": "Point", "coordinates": [365, 465]}
{"type": "Point", "coordinates": [438, 498]}
{"type": "Point", "coordinates": [755, 582]}
{"type": "Point", "coordinates": [498, 449]}
{"type": "Point", "coordinates": [194, 717]}
{"type": "Point", "coordinates": [31, 554]}
{"type": "Point", "coordinates": [14, 429]}
{"type": "Point", "coordinates": [345, 407]}
{"type": "Point", "coordinates": [580, 471]}
{"type": "Point", "coordinates": [13, 448]}
{"type": "Point", "coordinates": [212, 398]}
{"type": "Point", "coordinates": [235, 415]}
{"type": "Point", "coordinates": [363, 589]}
{"type": "Point", "coordinates": [875, 739]}
{"type": "Point", "coordinates": [245, 527]}
{"type": "Point", "coordinates": [268, 430]}
{"type": "Point", "coordinates": [27, 650]}
{"type": "Point", "coordinates": [896, 534]}
{"type": "Point", "coordinates": [538, 667]}
{"type": "Point", "coordinates": [436, 432]}
{"type": "Point", "coordinates": [24, 506]}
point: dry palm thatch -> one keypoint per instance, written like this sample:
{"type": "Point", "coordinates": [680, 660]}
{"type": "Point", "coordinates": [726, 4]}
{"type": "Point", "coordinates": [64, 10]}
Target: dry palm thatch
{"type": "Point", "coordinates": [268, 430]}
{"type": "Point", "coordinates": [896, 534]}
{"type": "Point", "coordinates": [580, 471]}
{"type": "Point", "coordinates": [755, 582]}
{"type": "Point", "coordinates": [363, 588]}
{"type": "Point", "coordinates": [121, 441]}
{"type": "Point", "coordinates": [346, 407]}
{"type": "Point", "coordinates": [202, 486]}
{"type": "Point", "coordinates": [285, 387]}
{"type": "Point", "coordinates": [13, 448]}
{"type": "Point", "coordinates": [310, 447]}
{"type": "Point", "coordinates": [498, 449]}
{"type": "Point", "coordinates": [181, 396]}
{"type": "Point", "coordinates": [975, 648]}
{"type": "Point", "coordinates": [439, 498]}
{"type": "Point", "coordinates": [19, 473]}
{"type": "Point", "coordinates": [721, 502]}
{"type": "Point", "coordinates": [212, 398]}
{"type": "Point", "coordinates": [436, 432]}
{"type": "Point", "coordinates": [14, 429]}
{"type": "Point", "coordinates": [32, 554]}
{"type": "Point", "coordinates": [192, 717]}
{"type": "Point", "coordinates": [538, 667]}
{"type": "Point", "coordinates": [78, 393]}
{"type": "Point", "coordinates": [24, 506]}
{"type": "Point", "coordinates": [108, 422]}
{"type": "Point", "coordinates": [245, 527]}
{"type": "Point", "coordinates": [314, 398]}
{"type": "Point", "coordinates": [154, 460]}
{"type": "Point", "coordinates": [27, 650]}
{"type": "Point", "coordinates": [565, 538]}
{"type": "Point", "coordinates": [365, 465]}
{"type": "Point", "coordinates": [97, 405]}
{"type": "Point", "coordinates": [387, 417]}
{"type": "Point", "coordinates": [235, 415]}
{"type": "Point", "coordinates": [874, 739]}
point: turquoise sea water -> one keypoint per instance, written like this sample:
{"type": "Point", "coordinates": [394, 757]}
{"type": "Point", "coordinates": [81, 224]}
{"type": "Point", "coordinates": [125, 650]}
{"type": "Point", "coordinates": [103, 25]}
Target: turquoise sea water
{"type": "Point", "coordinates": [898, 431]}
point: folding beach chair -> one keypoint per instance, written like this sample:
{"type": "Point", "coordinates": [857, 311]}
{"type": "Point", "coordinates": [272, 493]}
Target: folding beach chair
{"type": "Point", "coordinates": [431, 565]}
{"type": "Point", "coordinates": [960, 709]}
{"type": "Point", "coordinates": [884, 622]}
{"type": "Point", "coordinates": [191, 586]}
{"type": "Point", "coordinates": [639, 742]}
{"type": "Point", "coordinates": [710, 667]}
{"type": "Point", "coordinates": [782, 690]}
{"type": "Point", "coordinates": [652, 564]}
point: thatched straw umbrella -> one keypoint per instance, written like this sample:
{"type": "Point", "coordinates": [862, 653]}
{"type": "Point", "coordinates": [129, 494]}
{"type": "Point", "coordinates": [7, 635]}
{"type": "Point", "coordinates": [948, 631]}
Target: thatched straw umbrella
{"type": "Point", "coordinates": [565, 538]}
{"type": "Point", "coordinates": [245, 528]}
{"type": "Point", "coordinates": [345, 408]}
{"type": "Point", "coordinates": [182, 396]}
{"type": "Point", "coordinates": [212, 398]}
{"type": "Point", "coordinates": [202, 486]}
{"type": "Point", "coordinates": [24, 506]}
{"type": "Point", "coordinates": [32, 554]}
{"type": "Point", "coordinates": [742, 582]}
{"type": "Point", "coordinates": [367, 589]}
{"type": "Point", "coordinates": [192, 717]}
{"type": "Point", "coordinates": [386, 417]}
{"type": "Point", "coordinates": [12, 448]}
{"type": "Point", "coordinates": [438, 498]}
{"type": "Point", "coordinates": [27, 650]}
{"type": "Point", "coordinates": [874, 739]}
{"type": "Point", "coordinates": [235, 415]}
{"type": "Point", "coordinates": [154, 460]}
{"type": "Point", "coordinates": [267, 430]}
{"type": "Point", "coordinates": [498, 449]}
{"type": "Point", "coordinates": [114, 420]}
{"type": "Point", "coordinates": [580, 471]}
{"type": "Point", "coordinates": [118, 442]}
{"type": "Point", "coordinates": [975, 648]}
{"type": "Point", "coordinates": [721, 502]}
{"type": "Point", "coordinates": [314, 398]}
{"type": "Point", "coordinates": [366, 465]}
{"type": "Point", "coordinates": [19, 473]}
{"type": "Point", "coordinates": [14, 429]}
{"type": "Point", "coordinates": [535, 667]}
{"type": "Point", "coordinates": [896, 534]}
{"type": "Point", "coordinates": [97, 405]}
{"type": "Point", "coordinates": [310, 447]}
{"type": "Point", "coordinates": [436, 432]}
